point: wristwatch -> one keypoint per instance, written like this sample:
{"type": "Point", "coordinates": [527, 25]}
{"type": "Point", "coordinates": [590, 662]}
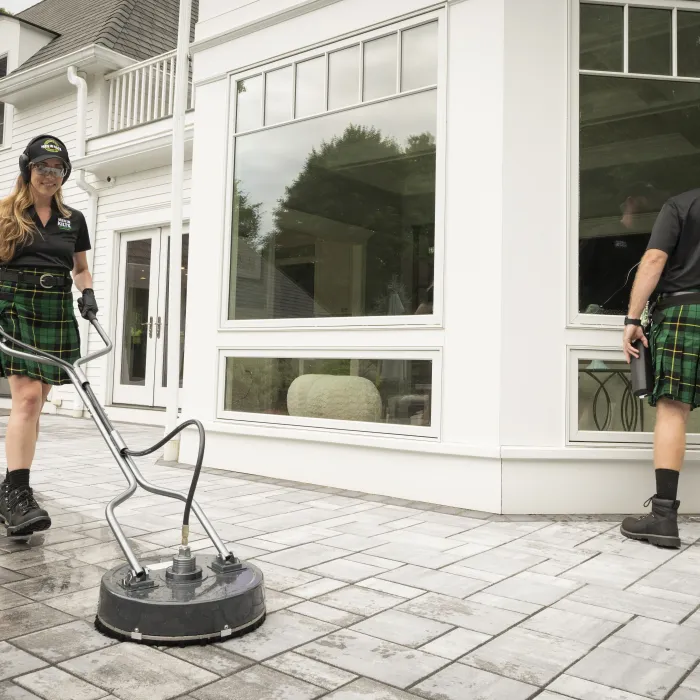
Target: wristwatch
{"type": "Point", "coordinates": [632, 321]}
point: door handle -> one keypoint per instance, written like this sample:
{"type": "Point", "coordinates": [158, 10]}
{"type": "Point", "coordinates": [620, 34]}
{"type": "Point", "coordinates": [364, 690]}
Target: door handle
{"type": "Point", "coordinates": [158, 325]}
{"type": "Point", "coordinates": [150, 326]}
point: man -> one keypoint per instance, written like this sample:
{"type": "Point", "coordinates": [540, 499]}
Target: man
{"type": "Point", "coordinates": [671, 266]}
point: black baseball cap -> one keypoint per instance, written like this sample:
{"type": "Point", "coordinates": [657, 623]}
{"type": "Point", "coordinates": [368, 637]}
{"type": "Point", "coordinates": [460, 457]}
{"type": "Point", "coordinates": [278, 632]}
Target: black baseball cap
{"type": "Point", "coordinates": [47, 148]}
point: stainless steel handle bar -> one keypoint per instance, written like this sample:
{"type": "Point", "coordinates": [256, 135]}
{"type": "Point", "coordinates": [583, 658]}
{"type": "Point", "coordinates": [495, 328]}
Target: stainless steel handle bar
{"type": "Point", "coordinates": [114, 441]}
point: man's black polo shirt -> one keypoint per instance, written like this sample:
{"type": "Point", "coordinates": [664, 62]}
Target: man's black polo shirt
{"type": "Point", "coordinates": [53, 245]}
{"type": "Point", "coordinates": [677, 232]}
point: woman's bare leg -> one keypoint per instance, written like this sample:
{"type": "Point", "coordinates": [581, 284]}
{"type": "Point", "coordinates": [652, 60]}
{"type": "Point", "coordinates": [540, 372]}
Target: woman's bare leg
{"type": "Point", "coordinates": [19, 511]}
{"type": "Point", "coordinates": [22, 427]}
{"type": "Point", "coordinates": [45, 388]}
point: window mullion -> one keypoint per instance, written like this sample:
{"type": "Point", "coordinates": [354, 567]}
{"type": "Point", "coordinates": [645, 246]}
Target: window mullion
{"type": "Point", "coordinates": [674, 42]}
{"type": "Point", "coordinates": [362, 73]}
{"type": "Point", "coordinates": [399, 62]}
{"type": "Point", "coordinates": [264, 97]}
{"type": "Point", "coordinates": [626, 39]}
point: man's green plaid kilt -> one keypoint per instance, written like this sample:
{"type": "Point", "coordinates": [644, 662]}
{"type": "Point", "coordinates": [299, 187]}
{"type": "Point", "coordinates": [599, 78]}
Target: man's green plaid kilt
{"type": "Point", "coordinates": [43, 318]}
{"type": "Point", "coordinates": [675, 349]}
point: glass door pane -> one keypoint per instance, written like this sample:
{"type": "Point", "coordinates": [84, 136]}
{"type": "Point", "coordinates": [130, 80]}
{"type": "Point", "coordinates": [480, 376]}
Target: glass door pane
{"type": "Point", "coordinates": [163, 311]}
{"type": "Point", "coordinates": [137, 304]}
{"type": "Point", "coordinates": [136, 308]}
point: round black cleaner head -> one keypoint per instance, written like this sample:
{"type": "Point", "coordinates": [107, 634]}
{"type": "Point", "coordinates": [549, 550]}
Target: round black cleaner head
{"type": "Point", "coordinates": [186, 600]}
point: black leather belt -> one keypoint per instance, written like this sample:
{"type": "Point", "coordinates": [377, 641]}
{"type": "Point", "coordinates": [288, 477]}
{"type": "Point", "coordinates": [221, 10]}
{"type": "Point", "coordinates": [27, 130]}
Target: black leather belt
{"type": "Point", "coordinates": [47, 280]}
{"type": "Point", "coordinates": [666, 301]}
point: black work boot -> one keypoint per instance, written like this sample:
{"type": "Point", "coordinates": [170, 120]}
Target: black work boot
{"type": "Point", "coordinates": [4, 504]}
{"type": "Point", "coordinates": [20, 513]}
{"type": "Point", "coordinates": [660, 527]}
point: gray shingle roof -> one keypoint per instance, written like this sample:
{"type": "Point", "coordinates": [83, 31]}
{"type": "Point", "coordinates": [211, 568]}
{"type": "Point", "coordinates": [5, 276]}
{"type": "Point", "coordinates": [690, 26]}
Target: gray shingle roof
{"type": "Point", "coordinates": [139, 29]}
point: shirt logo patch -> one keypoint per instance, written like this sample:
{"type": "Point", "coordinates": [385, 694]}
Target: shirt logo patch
{"type": "Point", "coordinates": [64, 223]}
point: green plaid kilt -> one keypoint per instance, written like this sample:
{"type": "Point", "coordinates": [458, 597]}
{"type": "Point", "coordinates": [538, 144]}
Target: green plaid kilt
{"type": "Point", "coordinates": [43, 318]}
{"type": "Point", "coordinates": [675, 349]}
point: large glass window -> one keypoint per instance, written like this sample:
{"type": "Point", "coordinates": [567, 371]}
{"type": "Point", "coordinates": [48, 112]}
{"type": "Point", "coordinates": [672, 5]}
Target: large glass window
{"type": "Point", "coordinates": [334, 208]}
{"type": "Point", "coordinates": [394, 391]}
{"type": "Point", "coordinates": [639, 139]}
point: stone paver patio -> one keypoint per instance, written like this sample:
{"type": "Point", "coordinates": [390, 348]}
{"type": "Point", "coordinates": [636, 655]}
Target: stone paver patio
{"type": "Point", "coordinates": [369, 598]}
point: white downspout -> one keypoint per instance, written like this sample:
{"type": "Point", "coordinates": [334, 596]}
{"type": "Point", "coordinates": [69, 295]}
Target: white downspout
{"type": "Point", "coordinates": [93, 196]}
{"type": "Point", "coordinates": [172, 449]}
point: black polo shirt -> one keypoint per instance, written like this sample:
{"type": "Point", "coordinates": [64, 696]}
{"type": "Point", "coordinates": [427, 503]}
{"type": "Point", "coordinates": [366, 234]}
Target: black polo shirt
{"type": "Point", "coordinates": [53, 245]}
{"type": "Point", "coordinates": [677, 233]}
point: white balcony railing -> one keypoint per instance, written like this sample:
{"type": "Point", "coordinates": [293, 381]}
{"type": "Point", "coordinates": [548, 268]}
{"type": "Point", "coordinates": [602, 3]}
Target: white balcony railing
{"type": "Point", "coordinates": [143, 92]}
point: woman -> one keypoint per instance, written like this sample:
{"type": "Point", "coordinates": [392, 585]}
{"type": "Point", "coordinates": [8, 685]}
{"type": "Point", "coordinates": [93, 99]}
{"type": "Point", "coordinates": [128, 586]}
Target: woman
{"type": "Point", "coordinates": [42, 241]}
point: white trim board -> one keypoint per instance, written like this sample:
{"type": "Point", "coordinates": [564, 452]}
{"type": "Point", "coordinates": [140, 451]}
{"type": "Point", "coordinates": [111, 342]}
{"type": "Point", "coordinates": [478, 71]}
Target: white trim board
{"type": "Point", "coordinates": [467, 482]}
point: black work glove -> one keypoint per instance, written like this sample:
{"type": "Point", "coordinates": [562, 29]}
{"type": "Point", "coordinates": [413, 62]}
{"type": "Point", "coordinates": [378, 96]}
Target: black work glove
{"type": "Point", "coordinates": [87, 305]}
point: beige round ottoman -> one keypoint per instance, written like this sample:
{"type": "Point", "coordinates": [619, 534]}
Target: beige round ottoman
{"type": "Point", "coordinates": [330, 396]}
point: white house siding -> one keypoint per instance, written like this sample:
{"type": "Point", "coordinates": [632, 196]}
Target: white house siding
{"type": "Point", "coordinates": [133, 197]}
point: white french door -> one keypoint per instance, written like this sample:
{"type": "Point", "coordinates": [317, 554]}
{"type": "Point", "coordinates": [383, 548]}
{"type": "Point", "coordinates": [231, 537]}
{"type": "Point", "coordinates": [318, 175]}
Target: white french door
{"type": "Point", "coordinates": [140, 371]}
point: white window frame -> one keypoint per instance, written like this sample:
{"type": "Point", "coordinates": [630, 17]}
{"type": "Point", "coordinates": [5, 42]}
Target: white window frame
{"type": "Point", "coordinates": [576, 318]}
{"type": "Point", "coordinates": [431, 432]}
{"type": "Point", "coordinates": [578, 437]}
{"type": "Point", "coordinates": [6, 142]}
{"type": "Point", "coordinates": [434, 320]}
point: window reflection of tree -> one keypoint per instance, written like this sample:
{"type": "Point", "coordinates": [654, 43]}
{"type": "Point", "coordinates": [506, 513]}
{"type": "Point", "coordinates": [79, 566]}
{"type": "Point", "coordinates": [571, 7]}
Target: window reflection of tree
{"type": "Point", "coordinates": [360, 217]}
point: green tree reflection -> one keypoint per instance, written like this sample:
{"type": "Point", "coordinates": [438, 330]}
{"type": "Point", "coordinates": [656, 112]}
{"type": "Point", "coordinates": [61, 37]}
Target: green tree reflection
{"type": "Point", "coordinates": [363, 187]}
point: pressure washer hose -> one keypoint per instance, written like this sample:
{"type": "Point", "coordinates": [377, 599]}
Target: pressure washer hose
{"type": "Point", "coordinates": [195, 476]}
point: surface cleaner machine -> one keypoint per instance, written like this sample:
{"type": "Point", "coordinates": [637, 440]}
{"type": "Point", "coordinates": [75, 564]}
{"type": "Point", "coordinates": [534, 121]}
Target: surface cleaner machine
{"type": "Point", "coordinates": [186, 600]}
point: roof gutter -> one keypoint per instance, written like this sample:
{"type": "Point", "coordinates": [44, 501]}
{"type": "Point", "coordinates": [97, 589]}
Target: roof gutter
{"type": "Point", "coordinates": [93, 195]}
{"type": "Point", "coordinates": [87, 57]}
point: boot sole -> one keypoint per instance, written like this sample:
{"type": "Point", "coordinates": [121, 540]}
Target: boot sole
{"type": "Point", "coordinates": [29, 528]}
{"type": "Point", "coordinates": [658, 540]}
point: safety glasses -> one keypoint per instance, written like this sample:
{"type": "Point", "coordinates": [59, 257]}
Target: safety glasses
{"type": "Point", "coordinates": [46, 171]}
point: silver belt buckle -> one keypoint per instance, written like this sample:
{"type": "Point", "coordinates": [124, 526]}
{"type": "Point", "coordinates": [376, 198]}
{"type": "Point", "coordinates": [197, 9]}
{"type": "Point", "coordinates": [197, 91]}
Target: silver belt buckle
{"type": "Point", "coordinates": [46, 286]}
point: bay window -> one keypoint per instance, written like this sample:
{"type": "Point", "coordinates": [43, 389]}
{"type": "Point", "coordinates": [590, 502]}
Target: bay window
{"type": "Point", "coordinates": [637, 95]}
{"type": "Point", "coordinates": [334, 224]}
{"type": "Point", "coordinates": [639, 137]}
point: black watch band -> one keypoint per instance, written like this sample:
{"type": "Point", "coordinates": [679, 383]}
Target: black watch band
{"type": "Point", "coordinates": [632, 321]}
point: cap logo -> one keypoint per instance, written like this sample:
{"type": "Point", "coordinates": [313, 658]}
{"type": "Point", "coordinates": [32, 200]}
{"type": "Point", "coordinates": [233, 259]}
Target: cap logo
{"type": "Point", "coordinates": [51, 146]}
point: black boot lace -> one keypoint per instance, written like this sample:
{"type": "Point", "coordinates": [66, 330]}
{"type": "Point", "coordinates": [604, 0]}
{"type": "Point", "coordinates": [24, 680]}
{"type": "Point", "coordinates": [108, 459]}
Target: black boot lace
{"type": "Point", "coordinates": [22, 499]}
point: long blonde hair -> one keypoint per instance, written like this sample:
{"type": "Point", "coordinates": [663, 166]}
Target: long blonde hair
{"type": "Point", "coordinates": [16, 226]}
